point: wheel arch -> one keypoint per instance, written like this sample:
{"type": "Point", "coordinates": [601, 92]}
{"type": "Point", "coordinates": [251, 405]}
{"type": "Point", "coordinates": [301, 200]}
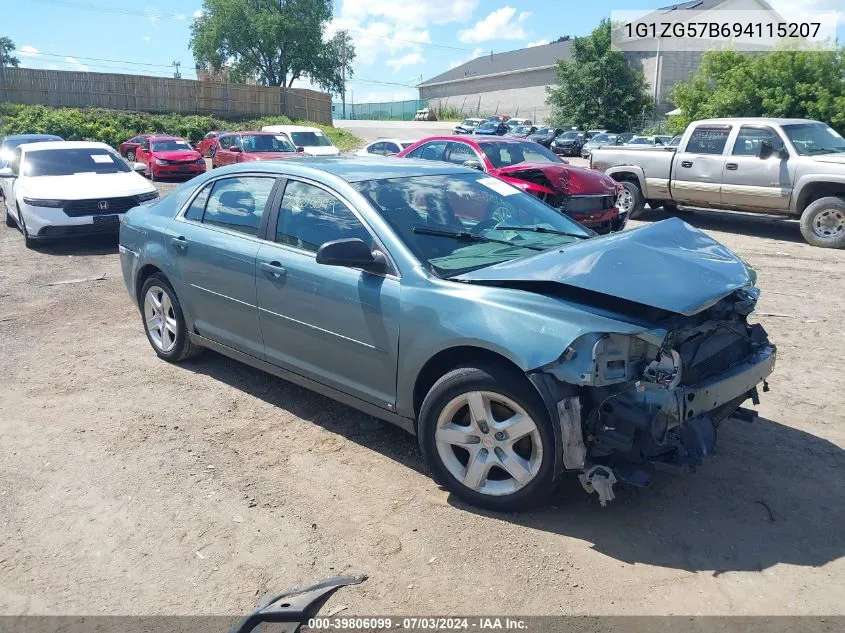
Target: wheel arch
{"type": "Point", "coordinates": [809, 192]}
{"type": "Point", "coordinates": [629, 173]}
{"type": "Point", "coordinates": [145, 272]}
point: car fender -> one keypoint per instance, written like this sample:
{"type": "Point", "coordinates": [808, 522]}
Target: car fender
{"type": "Point", "coordinates": [527, 187]}
{"type": "Point", "coordinates": [804, 184]}
{"type": "Point", "coordinates": [621, 172]}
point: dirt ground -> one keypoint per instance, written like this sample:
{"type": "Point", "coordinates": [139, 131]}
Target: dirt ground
{"type": "Point", "coordinates": [131, 486]}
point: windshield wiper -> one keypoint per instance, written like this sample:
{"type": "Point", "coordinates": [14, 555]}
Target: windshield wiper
{"type": "Point", "coordinates": [466, 236]}
{"type": "Point", "coordinates": [539, 229]}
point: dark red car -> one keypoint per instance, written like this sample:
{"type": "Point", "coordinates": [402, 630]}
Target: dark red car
{"type": "Point", "coordinates": [128, 148]}
{"type": "Point", "coordinates": [585, 195]}
{"type": "Point", "coordinates": [240, 147]}
{"type": "Point", "coordinates": [169, 157]}
{"type": "Point", "coordinates": [208, 141]}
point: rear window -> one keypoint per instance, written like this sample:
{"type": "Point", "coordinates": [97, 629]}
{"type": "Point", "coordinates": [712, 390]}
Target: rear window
{"type": "Point", "coordinates": [310, 139]}
{"type": "Point", "coordinates": [67, 162]}
{"type": "Point", "coordinates": [708, 140]}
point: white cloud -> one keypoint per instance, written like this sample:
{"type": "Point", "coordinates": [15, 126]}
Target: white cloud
{"type": "Point", "coordinates": [198, 14]}
{"type": "Point", "coordinates": [380, 96]}
{"type": "Point", "coordinates": [377, 38]}
{"type": "Point", "coordinates": [412, 13]}
{"type": "Point", "coordinates": [406, 60]}
{"type": "Point", "coordinates": [499, 25]}
{"type": "Point", "coordinates": [77, 65]}
{"type": "Point", "coordinates": [28, 51]}
{"type": "Point", "coordinates": [537, 43]}
{"type": "Point", "coordinates": [796, 10]}
{"type": "Point", "coordinates": [478, 52]}
{"type": "Point", "coordinates": [153, 14]}
{"type": "Point", "coordinates": [147, 39]}
{"type": "Point", "coordinates": [179, 17]}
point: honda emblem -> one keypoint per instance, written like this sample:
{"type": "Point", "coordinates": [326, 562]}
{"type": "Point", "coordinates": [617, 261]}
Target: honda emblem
{"type": "Point", "coordinates": [103, 205]}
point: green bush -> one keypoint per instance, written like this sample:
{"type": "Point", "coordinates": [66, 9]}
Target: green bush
{"type": "Point", "coordinates": [115, 126]}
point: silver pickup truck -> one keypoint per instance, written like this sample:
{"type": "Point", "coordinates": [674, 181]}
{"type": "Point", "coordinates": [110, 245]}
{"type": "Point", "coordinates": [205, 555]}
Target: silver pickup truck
{"type": "Point", "coordinates": [790, 167]}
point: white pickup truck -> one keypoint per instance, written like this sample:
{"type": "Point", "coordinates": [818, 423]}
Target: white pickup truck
{"type": "Point", "coordinates": [790, 167]}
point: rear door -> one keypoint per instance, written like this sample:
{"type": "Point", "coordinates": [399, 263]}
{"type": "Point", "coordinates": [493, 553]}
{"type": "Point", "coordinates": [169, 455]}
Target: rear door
{"type": "Point", "coordinates": [754, 183]}
{"type": "Point", "coordinates": [142, 153]}
{"type": "Point", "coordinates": [336, 325]}
{"type": "Point", "coordinates": [223, 155]}
{"type": "Point", "coordinates": [697, 170]}
{"type": "Point", "coordinates": [215, 250]}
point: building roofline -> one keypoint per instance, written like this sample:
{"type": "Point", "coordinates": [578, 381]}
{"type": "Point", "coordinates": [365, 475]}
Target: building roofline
{"type": "Point", "coordinates": [501, 74]}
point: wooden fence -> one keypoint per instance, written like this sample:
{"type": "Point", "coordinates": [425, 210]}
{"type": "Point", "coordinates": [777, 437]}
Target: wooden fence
{"type": "Point", "coordinates": [160, 94]}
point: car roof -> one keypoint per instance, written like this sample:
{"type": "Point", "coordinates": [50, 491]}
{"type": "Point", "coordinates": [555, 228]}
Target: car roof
{"type": "Point", "coordinates": [38, 147]}
{"type": "Point", "coordinates": [32, 137]}
{"type": "Point", "coordinates": [755, 120]}
{"type": "Point", "coordinates": [293, 128]}
{"type": "Point", "coordinates": [167, 138]}
{"type": "Point", "coordinates": [355, 169]}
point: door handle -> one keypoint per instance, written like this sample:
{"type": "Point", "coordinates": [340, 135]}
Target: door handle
{"type": "Point", "coordinates": [732, 166]}
{"type": "Point", "coordinates": [273, 269]}
{"type": "Point", "coordinates": [180, 243]}
{"type": "Point", "coordinates": [686, 163]}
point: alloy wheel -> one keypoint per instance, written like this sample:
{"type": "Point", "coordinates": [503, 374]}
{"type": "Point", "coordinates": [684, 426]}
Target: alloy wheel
{"type": "Point", "coordinates": [624, 201]}
{"type": "Point", "coordinates": [829, 224]}
{"type": "Point", "coordinates": [489, 443]}
{"type": "Point", "coordinates": [160, 319]}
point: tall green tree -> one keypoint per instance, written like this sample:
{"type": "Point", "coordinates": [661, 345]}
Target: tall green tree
{"type": "Point", "coordinates": [273, 41]}
{"type": "Point", "coordinates": [598, 88]}
{"type": "Point", "coordinates": [783, 83]}
{"type": "Point", "coordinates": [7, 47]}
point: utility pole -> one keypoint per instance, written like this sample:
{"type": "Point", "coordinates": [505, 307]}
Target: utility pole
{"type": "Point", "coordinates": [176, 73]}
{"type": "Point", "coordinates": [343, 74]}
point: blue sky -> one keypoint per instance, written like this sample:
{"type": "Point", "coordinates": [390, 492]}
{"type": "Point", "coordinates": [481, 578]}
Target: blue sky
{"type": "Point", "coordinates": [397, 41]}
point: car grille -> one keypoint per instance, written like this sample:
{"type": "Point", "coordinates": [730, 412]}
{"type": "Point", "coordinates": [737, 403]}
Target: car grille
{"type": "Point", "coordinates": [582, 204]}
{"type": "Point", "coordinates": [184, 161]}
{"type": "Point", "coordinates": [77, 208]}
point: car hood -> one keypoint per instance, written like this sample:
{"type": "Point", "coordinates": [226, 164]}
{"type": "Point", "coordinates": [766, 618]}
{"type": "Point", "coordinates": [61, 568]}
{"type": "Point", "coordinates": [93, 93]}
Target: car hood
{"type": "Point", "coordinates": [564, 178]}
{"type": "Point", "coordinates": [247, 156]}
{"type": "Point", "coordinates": [177, 154]}
{"type": "Point", "coordinates": [322, 150]}
{"type": "Point", "coordinates": [85, 186]}
{"type": "Point", "coordinates": [667, 265]}
{"type": "Point", "coordinates": [838, 159]}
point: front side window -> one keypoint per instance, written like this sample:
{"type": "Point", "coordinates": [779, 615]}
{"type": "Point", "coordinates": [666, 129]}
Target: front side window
{"type": "Point", "coordinates": [237, 204]}
{"type": "Point", "coordinates": [311, 216]}
{"type": "Point", "coordinates": [749, 138]}
{"type": "Point", "coordinates": [462, 222]}
{"type": "Point", "coordinates": [145, 144]}
{"type": "Point", "coordinates": [225, 142]}
{"type": "Point", "coordinates": [67, 162]}
{"type": "Point", "coordinates": [708, 140]}
{"type": "Point", "coordinates": [376, 148]}
{"type": "Point", "coordinates": [505, 154]}
{"type": "Point", "coordinates": [814, 138]}
{"type": "Point", "coordinates": [430, 151]}
{"type": "Point", "coordinates": [459, 153]}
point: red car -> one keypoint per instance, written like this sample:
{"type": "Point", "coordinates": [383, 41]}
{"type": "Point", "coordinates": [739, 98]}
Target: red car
{"type": "Point", "coordinates": [128, 148]}
{"type": "Point", "coordinates": [586, 196]}
{"type": "Point", "coordinates": [240, 147]}
{"type": "Point", "coordinates": [207, 142]}
{"type": "Point", "coordinates": [168, 156]}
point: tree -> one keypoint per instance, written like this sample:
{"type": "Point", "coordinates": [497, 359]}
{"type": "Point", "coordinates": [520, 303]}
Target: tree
{"type": "Point", "coordinates": [598, 88]}
{"type": "Point", "coordinates": [7, 47]}
{"type": "Point", "coordinates": [273, 41]}
{"type": "Point", "coordinates": [782, 83]}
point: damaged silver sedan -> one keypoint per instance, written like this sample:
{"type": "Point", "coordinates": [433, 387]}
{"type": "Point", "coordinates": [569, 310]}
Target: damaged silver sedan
{"type": "Point", "coordinates": [516, 344]}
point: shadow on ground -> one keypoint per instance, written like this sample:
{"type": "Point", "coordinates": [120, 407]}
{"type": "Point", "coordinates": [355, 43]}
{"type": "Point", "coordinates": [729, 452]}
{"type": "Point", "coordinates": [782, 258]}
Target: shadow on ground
{"type": "Point", "coordinates": [772, 494]}
{"type": "Point", "coordinates": [757, 225]}
{"type": "Point", "coordinates": [79, 246]}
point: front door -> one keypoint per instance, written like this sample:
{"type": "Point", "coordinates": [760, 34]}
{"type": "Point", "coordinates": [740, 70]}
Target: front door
{"type": "Point", "coordinates": [336, 325]}
{"type": "Point", "coordinates": [215, 253]}
{"type": "Point", "coordinates": [697, 171]}
{"type": "Point", "coordinates": [751, 182]}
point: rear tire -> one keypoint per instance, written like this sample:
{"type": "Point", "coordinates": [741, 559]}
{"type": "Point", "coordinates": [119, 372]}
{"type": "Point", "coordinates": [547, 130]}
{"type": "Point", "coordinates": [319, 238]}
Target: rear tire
{"type": "Point", "coordinates": [164, 322]}
{"type": "Point", "coordinates": [486, 436]}
{"type": "Point", "coordinates": [823, 223]}
{"type": "Point", "coordinates": [630, 200]}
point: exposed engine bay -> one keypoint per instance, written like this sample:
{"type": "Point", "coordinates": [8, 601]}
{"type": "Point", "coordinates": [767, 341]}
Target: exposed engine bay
{"type": "Point", "coordinates": [644, 405]}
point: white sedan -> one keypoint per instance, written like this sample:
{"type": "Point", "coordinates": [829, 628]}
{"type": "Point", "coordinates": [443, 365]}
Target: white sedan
{"type": "Point", "coordinates": [385, 147]}
{"type": "Point", "coordinates": [71, 188]}
{"type": "Point", "coordinates": [312, 140]}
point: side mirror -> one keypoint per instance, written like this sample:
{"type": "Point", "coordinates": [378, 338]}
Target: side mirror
{"type": "Point", "coordinates": [473, 164]}
{"type": "Point", "coordinates": [6, 172]}
{"type": "Point", "coordinates": [235, 149]}
{"type": "Point", "coordinates": [139, 167]}
{"type": "Point", "coordinates": [352, 253]}
{"type": "Point", "coordinates": [299, 148]}
{"type": "Point", "coordinates": [765, 150]}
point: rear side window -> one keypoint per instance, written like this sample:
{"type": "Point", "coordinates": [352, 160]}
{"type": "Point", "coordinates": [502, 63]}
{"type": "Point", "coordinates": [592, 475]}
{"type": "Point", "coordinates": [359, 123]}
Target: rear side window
{"type": "Point", "coordinates": [237, 204]}
{"type": "Point", "coordinates": [708, 140]}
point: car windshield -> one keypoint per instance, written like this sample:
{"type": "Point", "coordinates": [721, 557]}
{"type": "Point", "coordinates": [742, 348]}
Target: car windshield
{"type": "Point", "coordinates": [505, 154]}
{"type": "Point", "coordinates": [266, 143]}
{"type": "Point", "coordinates": [568, 136]}
{"type": "Point", "coordinates": [490, 125]}
{"type": "Point", "coordinates": [170, 146]}
{"type": "Point", "coordinates": [601, 138]}
{"type": "Point", "coordinates": [814, 138]}
{"type": "Point", "coordinates": [471, 214]}
{"type": "Point", "coordinates": [67, 162]}
{"type": "Point", "coordinates": [310, 139]}
{"type": "Point", "coordinates": [470, 122]}
{"type": "Point", "coordinates": [543, 131]}
{"type": "Point", "coordinates": [640, 140]}
{"type": "Point", "coordinates": [521, 129]}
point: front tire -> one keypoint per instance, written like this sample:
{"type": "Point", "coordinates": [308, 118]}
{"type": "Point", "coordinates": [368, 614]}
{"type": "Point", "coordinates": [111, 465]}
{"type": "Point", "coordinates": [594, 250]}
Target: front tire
{"type": "Point", "coordinates": [10, 221]}
{"type": "Point", "coordinates": [164, 321]}
{"type": "Point", "coordinates": [29, 241]}
{"type": "Point", "coordinates": [630, 200]}
{"type": "Point", "coordinates": [823, 223]}
{"type": "Point", "coordinates": [486, 435]}
{"type": "Point", "coordinates": [130, 155]}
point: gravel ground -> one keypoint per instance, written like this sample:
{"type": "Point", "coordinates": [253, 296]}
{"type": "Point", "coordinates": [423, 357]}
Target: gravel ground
{"type": "Point", "coordinates": [130, 486]}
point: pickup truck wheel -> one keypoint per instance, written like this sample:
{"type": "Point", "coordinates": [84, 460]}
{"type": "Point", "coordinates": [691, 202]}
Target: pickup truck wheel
{"type": "Point", "coordinates": [823, 223]}
{"type": "Point", "coordinates": [487, 437]}
{"type": "Point", "coordinates": [630, 199]}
